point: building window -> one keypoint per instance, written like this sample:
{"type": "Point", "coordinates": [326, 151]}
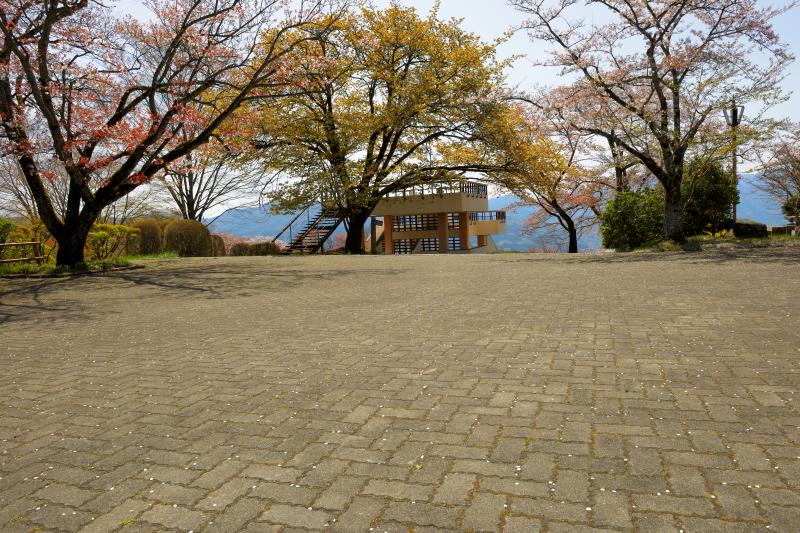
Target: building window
{"type": "Point", "coordinates": [430, 245]}
{"type": "Point", "coordinates": [415, 223]}
{"type": "Point", "coordinates": [453, 221]}
{"type": "Point", "coordinates": [403, 247]}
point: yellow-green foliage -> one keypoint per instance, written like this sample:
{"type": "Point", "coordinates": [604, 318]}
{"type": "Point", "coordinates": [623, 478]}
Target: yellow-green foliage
{"type": "Point", "coordinates": [6, 228]}
{"type": "Point", "coordinates": [401, 89]}
{"type": "Point", "coordinates": [36, 232]}
{"type": "Point", "coordinates": [150, 236]}
{"type": "Point", "coordinates": [110, 240]}
{"type": "Point", "coordinates": [187, 238]}
{"type": "Point", "coordinates": [12, 233]}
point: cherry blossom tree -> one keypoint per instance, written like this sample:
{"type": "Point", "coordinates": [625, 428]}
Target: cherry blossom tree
{"type": "Point", "coordinates": [17, 200]}
{"type": "Point", "coordinates": [556, 178]}
{"type": "Point", "coordinates": [650, 78]}
{"type": "Point", "coordinates": [114, 100]}
{"type": "Point", "coordinates": [780, 165]}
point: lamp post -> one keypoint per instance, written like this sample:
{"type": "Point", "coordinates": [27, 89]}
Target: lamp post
{"type": "Point", "coordinates": [733, 116]}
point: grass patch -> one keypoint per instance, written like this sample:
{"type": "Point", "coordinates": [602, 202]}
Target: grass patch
{"type": "Point", "coordinates": [692, 244]}
{"type": "Point", "coordinates": [32, 269]}
{"type": "Point", "coordinates": [795, 238]}
{"type": "Point", "coordinates": [701, 242]}
{"type": "Point", "coordinates": [732, 241]}
{"type": "Point", "coordinates": [50, 269]}
{"type": "Point", "coordinates": [162, 255]}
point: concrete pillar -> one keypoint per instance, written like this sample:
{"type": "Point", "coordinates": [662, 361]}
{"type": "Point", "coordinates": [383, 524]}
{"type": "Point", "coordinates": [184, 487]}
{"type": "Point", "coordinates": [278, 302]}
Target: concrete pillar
{"type": "Point", "coordinates": [388, 243]}
{"type": "Point", "coordinates": [373, 237]}
{"type": "Point", "coordinates": [441, 221]}
{"type": "Point", "coordinates": [463, 230]}
{"type": "Point", "coordinates": [482, 241]}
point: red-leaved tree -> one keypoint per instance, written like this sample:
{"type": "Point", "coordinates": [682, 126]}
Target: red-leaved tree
{"type": "Point", "coordinates": [113, 100]}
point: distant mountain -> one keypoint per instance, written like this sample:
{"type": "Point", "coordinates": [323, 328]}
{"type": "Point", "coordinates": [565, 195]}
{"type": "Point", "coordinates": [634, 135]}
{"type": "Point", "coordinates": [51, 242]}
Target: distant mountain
{"type": "Point", "coordinates": [259, 222]}
{"type": "Point", "coordinates": [250, 222]}
{"type": "Point", "coordinates": [757, 205]}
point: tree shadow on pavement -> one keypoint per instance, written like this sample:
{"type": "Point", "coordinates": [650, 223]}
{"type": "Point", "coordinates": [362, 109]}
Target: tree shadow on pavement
{"type": "Point", "coordinates": [72, 298]}
{"type": "Point", "coordinates": [25, 297]}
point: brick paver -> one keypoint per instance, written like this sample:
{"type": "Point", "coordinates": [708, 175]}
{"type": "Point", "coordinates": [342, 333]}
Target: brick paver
{"type": "Point", "coordinates": [481, 393]}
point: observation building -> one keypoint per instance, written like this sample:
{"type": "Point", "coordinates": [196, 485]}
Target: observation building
{"type": "Point", "coordinates": [436, 218]}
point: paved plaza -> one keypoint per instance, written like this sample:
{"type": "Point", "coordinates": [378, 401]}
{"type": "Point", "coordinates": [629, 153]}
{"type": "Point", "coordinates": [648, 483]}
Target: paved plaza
{"type": "Point", "coordinates": [512, 392]}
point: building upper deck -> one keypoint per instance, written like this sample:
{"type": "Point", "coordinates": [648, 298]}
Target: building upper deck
{"type": "Point", "coordinates": [445, 197]}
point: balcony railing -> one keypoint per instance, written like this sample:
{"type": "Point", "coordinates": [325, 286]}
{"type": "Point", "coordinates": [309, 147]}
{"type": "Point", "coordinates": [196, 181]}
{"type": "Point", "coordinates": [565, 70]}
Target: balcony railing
{"type": "Point", "coordinates": [483, 216]}
{"type": "Point", "coordinates": [470, 188]}
{"type": "Point", "coordinates": [430, 222]}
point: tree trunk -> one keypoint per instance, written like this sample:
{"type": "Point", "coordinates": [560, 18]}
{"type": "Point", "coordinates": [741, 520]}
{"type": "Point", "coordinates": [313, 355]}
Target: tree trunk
{"type": "Point", "coordinates": [619, 170]}
{"type": "Point", "coordinates": [622, 179]}
{"type": "Point", "coordinates": [72, 241]}
{"type": "Point", "coordinates": [573, 239]}
{"type": "Point", "coordinates": [354, 244]}
{"type": "Point", "coordinates": [568, 224]}
{"type": "Point", "coordinates": [673, 214]}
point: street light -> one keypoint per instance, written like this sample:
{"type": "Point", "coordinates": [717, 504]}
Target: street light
{"type": "Point", "coordinates": [733, 116]}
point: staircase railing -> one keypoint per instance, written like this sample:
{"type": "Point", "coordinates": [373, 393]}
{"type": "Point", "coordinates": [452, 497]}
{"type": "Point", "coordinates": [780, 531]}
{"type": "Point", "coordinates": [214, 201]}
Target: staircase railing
{"type": "Point", "coordinates": [291, 229]}
{"type": "Point", "coordinates": [323, 234]}
{"type": "Point", "coordinates": [301, 242]}
{"type": "Point", "coordinates": [308, 231]}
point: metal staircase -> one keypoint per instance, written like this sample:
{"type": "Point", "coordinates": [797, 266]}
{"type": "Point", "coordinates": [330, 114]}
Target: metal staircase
{"type": "Point", "coordinates": [318, 225]}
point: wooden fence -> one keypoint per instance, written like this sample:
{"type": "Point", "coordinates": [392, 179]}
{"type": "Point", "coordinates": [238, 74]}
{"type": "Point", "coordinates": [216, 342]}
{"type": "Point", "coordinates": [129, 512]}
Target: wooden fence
{"type": "Point", "coordinates": [36, 248]}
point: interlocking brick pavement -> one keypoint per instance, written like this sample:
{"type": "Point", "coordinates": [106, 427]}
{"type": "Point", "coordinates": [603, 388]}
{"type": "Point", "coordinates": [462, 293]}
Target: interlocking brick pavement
{"type": "Point", "coordinates": [441, 393]}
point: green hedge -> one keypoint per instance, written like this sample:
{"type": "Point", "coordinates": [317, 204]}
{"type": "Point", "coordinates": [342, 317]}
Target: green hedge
{"type": "Point", "coordinates": [633, 219]}
{"type": "Point", "coordinates": [217, 246]}
{"type": "Point", "coordinates": [709, 193]}
{"type": "Point", "coordinates": [187, 238]}
{"type": "Point", "coordinates": [747, 229]}
{"type": "Point", "coordinates": [240, 249]}
{"type": "Point", "coordinates": [264, 248]}
{"type": "Point", "coordinates": [150, 236]}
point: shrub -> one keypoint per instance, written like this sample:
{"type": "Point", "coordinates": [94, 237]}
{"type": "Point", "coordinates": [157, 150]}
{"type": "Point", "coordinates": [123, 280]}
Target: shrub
{"type": "Point", "coordinates": [265, 248]}
{"type": "Point", "coordinates": [791, 209]}
{"type": "Point", "coordinates": [7, 227]}
{"type": "Point", "coordinates": [150, 236]}
{"type": "Point", "coordinates": [110, 240]}
{"type": "Point", "coordinates": [36, 232]}
{"type": "Point", "coordinates": [709, 193]}
{"type": "Point", "coordinates": [187, 238]}
{"type": "Point", "coordinates": [239, 249]}
{"type": "Point", "coordinates": [10, 232]}
{"type": "Point", "coordinates": [747, 229]}
{"type": "Point", "coordinates": [217, 246]}
{"type": "Point", "coordinates": [633, 219]}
